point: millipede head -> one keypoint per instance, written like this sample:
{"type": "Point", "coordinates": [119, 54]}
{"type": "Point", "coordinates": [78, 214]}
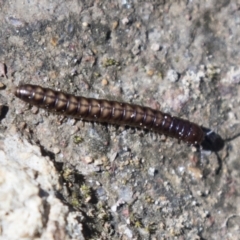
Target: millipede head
{"type": "Point", "coordinates": [212, 141]}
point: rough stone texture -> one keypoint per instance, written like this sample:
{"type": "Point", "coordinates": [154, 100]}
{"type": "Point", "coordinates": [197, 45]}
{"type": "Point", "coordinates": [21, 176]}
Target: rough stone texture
{"type": "Point", "coordinates": [178, 56]}
{"type": "Point", "coordinates": [29, 208]}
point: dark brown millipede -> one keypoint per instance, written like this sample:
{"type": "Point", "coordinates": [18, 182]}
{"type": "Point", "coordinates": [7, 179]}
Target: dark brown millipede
{"type": "Point", "coordinates": [101, 110]}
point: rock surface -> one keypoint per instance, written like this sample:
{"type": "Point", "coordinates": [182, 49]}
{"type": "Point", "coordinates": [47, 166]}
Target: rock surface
{"type": "Point", "coordinates": [29, 207]}
{"type": "Point", "coordinates": [96, 181]}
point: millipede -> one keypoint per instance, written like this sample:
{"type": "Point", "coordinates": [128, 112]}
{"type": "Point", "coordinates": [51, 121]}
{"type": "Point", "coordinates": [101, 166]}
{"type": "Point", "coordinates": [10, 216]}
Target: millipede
{"type": "Point", "coordinates": [113, 112]}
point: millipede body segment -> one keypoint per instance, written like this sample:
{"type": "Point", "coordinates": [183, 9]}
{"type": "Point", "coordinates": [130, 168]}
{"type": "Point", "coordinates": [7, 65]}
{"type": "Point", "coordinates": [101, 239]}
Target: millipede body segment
{"type": "Point", "coordinates": [101, 110]}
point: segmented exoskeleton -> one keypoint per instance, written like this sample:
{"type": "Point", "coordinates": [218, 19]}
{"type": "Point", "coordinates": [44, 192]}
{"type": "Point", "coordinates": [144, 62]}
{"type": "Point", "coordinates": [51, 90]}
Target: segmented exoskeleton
{"type": "Point", "coordinates": [101, 110]}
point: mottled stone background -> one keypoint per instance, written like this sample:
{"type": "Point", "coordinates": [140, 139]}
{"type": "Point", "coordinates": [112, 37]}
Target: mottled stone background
{"type": "Point", "coordinates": [66, 179]}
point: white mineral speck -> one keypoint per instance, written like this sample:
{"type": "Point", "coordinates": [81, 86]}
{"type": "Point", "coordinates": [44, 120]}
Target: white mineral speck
{"type": "Point", "coordinates": [155, 47]}
{"type": "Point", "coordinates": [125, 21]}
{"type": "Point", "coordinates": [152, 171]}
{"type": "Point", "coordinates": [56, 150]}
{"type": "Point", "coordinates": [98, 162]}
{"type": "Point", "coordinates": [88, 159]}
{"type": "Point", "coordinates": [172, 75]}
{"type": "Point", "coordinates": [2, 70]}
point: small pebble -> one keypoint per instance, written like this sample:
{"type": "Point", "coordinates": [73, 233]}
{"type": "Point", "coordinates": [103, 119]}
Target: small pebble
{"type": "Point", "coordinates": [22, 125]}
{"type": "Point", "coordinates": [34, 110]}
{"type": "Point", "coordinates": [138, 25]}
{"type": "Point", "coordinates": [194, 149]}
{"type": "Point", "coordinates": [104, 159]}
{"type": "Point", "coordinates": [98, 183]}
{"type": "Point", "coordinates": [163, 138]}
{"type": "Point", "coordinates": [200, 193]}
{"type": "Point", "coordinates": [56, 150]}
{"type": "Point", "coordinates": [54, 41]}
{"type": "Point", "coordinates": [16, 22]}
{"type": "Point", "coordinates": [150, 72]}
{"type": "Point", "coordinates": [114, 208]}
{"type": "Point", "coordinates": [119, 203]}
{"type": "Point", "coordinates": [104, 82]}
{"type": "Point", "coordinates": [125, 21]}
{"type": "Point", "coordinates": [155, 47]}
{"type": "Point", "coordinates": [172, 75]}
{"type": "Point", "coordinates": [88, 160]}
{"type": "Point", "coordinates": [127, 162]}
{"type": "Point", "coordinates": [137, 161]}
{"type": "Point", "coordinates": [74, 130]}
{"type": "Point", "coordinates": [98, 162]}
{"type": "Point", "coordinates": [137, 47]}
{"type": "Point", "coordinates": [2, 85]}
{"type": "Point", "coordinates": [151, 171]}
{"type": "Point", "coordinates": [88, 199]}
{"type": "Point", "coordinates": [188, 17]}
{"type": "Point", "coordinates": [162, 225]}
{"type": "Point", "coordinates": [53, 74]}
{"type": "Point", "coordinates": [195, 172]}
{"type": "Point", "coordinates": [3, 70]}
{"type": "Point", "coordinates": [128, 233]}
{"type": "Point", "coordinates": [85, 24]}
{"type": "Point", "coordinates": [114, 25]}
